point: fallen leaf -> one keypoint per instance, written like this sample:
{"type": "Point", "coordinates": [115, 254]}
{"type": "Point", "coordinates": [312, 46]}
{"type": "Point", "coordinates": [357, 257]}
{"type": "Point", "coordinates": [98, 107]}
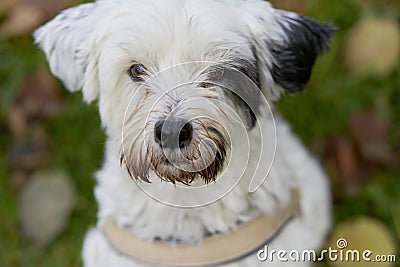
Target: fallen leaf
{"type": "Point", "coordinates": [17, 123]}
{"type": "Point", "coordinates": [18, 179]}
{"type": "Point", "coordinates": [39, 96]}
{"type": "Point", "coordinates": [49, 7]}
{"type": "Point", "coordinates": [370, 133]}
{"type": "Point", "coordinates": [387, 5]}
{"type": "Point", "coordinates": [31, 152]}
{"type": "Point", "coordinates": [26, 15]}
{"type": "Point", "coordinates": [5, 5]}
{"type": "Point", "coordinates": [298, 6]}
{"type": "Point", "coordinates": [22, 19]}
{"type": "Point", "coordinates": [343, 164]}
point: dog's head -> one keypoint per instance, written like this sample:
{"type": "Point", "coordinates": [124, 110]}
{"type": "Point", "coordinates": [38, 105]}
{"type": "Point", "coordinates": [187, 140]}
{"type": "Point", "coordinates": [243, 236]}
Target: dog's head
{"type": "Point", "coordinates": [172, 77]}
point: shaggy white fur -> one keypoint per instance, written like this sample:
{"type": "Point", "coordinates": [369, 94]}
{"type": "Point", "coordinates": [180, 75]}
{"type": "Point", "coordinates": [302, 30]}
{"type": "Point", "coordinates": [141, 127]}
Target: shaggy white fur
{"type": "Point", "coordinates": [293, 167]}
{"type": "Point", "coordinates": [205, 63]}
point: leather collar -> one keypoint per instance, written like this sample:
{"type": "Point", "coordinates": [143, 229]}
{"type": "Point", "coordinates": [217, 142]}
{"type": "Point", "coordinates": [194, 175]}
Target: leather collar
{"type": "Point", "coordinates": [213, 250]}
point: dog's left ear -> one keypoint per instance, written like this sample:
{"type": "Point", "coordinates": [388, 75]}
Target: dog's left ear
{"type": "Point", "coordinates": [287, 45]}
{"type": "Point", "coordinates": [69, 45]}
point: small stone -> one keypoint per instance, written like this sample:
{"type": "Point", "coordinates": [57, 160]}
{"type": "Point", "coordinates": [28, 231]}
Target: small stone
{"type": "Point", "coordinates": [355, 236]}
{"type": "Point", "coordinates": [373, 46]}
{"type": "Point", "coordinates": [45, 205]}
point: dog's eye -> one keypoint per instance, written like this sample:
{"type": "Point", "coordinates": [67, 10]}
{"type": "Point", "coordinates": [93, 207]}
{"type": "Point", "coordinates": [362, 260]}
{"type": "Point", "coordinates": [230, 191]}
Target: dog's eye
{"type": "Point", "coordinates": [215, 73]}
{"type": "Point", "coordinates": [136, 71]}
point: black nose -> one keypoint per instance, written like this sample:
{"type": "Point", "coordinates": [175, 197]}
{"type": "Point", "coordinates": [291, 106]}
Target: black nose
{"type": "Point", "coordinates": [173, 133]}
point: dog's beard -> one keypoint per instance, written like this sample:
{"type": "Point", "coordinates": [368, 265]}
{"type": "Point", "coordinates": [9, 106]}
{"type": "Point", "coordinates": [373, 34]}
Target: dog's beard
{"type": "Point", "coordinates": [203, 158]}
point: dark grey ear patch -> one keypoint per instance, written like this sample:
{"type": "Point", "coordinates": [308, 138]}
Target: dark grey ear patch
{"type": "Point", "coordinates": [295, 57]}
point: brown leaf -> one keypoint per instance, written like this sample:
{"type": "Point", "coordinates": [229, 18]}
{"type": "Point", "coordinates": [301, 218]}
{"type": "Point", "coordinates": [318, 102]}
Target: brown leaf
{"type": "Point", "coordinates": [30, 153]}
{"type": "Point", "coordinates": [18, 179]}
{"type": "Point", "coordinates": [5, 5]}
{"type": "Point", "coordinates": [48, 7]}
{"type": "Point", "coordinates": [342, 162]}
{"type": "Point", "coordinates": [17, 123]}
{"type": "Point", "coordinates": [39, 96]}
{"type": "Point", "coordinates": [26, 15]}
{"type": "Point", "coordinates": [298, 6]}
{"type": "Point", "coordinates": [27, 156]}
{"type": "Point", "coordinates": [22, 19]}
{"type": "Point", "coordinates": [371, 134]}
{"type": "Point", "coordinates": [391, 6]}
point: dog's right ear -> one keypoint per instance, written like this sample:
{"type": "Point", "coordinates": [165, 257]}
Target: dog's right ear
{"type": "Point", "coordinates": [70, 50]}
{"type": "Point", "coordinates": [286, 45]}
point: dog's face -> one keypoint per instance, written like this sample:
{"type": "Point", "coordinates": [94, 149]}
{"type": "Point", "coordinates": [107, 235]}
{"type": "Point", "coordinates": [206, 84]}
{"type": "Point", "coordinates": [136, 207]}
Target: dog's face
{"type": "Point", "coordinates": [173, 78]}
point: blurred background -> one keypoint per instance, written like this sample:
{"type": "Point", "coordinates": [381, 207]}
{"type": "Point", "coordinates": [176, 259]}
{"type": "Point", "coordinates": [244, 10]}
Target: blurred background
{"type": "Point", "coordinates": [349, 117]}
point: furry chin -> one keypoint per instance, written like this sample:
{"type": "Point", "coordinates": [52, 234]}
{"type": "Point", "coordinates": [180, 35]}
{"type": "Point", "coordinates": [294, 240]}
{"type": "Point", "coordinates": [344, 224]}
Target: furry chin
{"type": "Point", "coordinates": [169, 173]}
{"type": "Point", "coordinates": [166, 171]}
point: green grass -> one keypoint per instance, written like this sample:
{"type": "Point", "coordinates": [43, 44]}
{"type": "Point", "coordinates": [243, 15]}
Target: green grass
{"type": "Point", "coordinates": [76, 146]}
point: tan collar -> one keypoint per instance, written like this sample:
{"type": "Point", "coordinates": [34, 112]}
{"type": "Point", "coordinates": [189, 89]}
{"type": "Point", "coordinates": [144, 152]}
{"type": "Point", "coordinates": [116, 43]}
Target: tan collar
{"type": "Point", "coordinates": [214, 250]}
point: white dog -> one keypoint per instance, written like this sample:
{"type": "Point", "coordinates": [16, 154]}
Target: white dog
{"type": "Point", "coordinates": [197, 170]}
